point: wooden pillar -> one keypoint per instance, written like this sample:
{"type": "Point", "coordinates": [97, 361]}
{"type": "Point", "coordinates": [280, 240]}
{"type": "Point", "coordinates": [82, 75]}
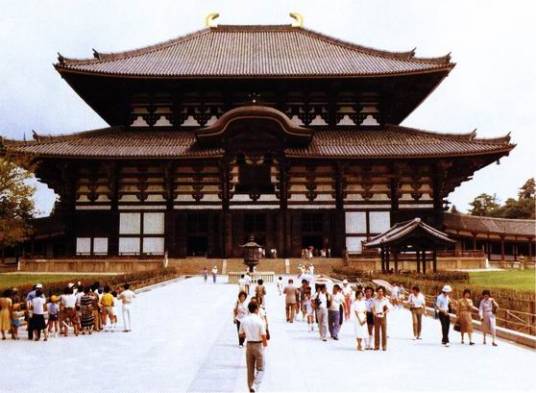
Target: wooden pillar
{"type": "Point", "coordinates": [530, 248]}
{"type": "Point", "coordinates": [502, 248]}
{"type": "Point", "coordinates": [169, 218]}
{"type": "Point", "coordinates": [514, 249]}
{"type": "Point", "coordinates": [382, 254]}
{"type": "Point", "coordinates": [387, 259]}
{"type": "Point", "coordinates": [434, 256]}
{"type": "Point", "coordinates": [284, 219]}
{"type": "Point", "coordinates": [395, 256]}
{"type": "Point", "coordinates": [113, 172]}
{"type": "Point", "coordinates": [424, 261]}
{"type": "Point", "coordinates": [474, 241]}
{"type": "Point", "coordinates": [437, 184]}
{"type": "Point", "coordinates": [340, 226]}
{"type": "Point", "coordinates": [394, 194]}
{"type": "Point", "coordinates": [227, 239]}
{"type": "Point", "coordinates": [418, 252]}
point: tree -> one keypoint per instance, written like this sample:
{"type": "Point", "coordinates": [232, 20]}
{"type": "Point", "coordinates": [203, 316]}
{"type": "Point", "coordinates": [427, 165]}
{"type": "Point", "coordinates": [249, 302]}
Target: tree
{"type": "Point", "coordinates": [16, 202]}
{"type": "Point", "coordinates": [527, 191]}
{"type": "Point", "coordinates": [484, 205]}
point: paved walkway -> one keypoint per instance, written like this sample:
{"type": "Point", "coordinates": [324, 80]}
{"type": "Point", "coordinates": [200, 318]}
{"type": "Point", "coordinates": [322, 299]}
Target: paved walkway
{"type": "Point", "coordinates": [184, 340]}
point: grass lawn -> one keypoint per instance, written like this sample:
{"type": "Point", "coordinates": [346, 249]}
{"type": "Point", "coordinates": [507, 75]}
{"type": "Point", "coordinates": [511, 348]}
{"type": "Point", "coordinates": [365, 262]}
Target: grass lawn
{"type": "Point", "coordinates": [15, 280]}
{"type": "Point", "coordinates": [521, 280]}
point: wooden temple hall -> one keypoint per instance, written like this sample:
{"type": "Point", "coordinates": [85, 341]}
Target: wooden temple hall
{"type": "Point", "coordinates": [275, 131]}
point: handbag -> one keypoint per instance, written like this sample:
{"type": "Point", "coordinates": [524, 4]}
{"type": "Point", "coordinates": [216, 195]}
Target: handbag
{"type": "Point", "coordinates": [457, 327]}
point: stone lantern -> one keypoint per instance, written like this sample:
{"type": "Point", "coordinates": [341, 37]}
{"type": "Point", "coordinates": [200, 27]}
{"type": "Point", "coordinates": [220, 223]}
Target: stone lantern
{"type": "Point", "coordinates": [251, 253]}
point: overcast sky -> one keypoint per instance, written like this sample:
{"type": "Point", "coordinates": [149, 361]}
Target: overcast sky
{"type": "Point", "coordinates": [492, 88]}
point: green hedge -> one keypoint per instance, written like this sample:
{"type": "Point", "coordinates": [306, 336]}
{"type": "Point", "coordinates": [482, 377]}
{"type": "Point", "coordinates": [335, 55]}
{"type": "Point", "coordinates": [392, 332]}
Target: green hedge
{"type": "Point", "coordinates": [134, 279]}
{"type": "Point", "coordinates": [439, 276]}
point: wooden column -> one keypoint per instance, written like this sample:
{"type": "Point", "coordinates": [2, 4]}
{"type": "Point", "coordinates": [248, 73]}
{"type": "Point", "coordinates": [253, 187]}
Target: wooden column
{"type": "Point", "coordinates": [474, 241]}
{"type": "Point", "coordinates": [113, 172]}
{"type": "Point", "coordinates": [387, 259]}
{"type": "Point", "coordinates": [169, 219]}
{"type": "Point", "coordinates": [530, 248]}
{"type": "Point", "coordinates": [434, 256]}
{"type": "Point", "coordinates": [424, 261]}
{"type": "Point", "coordinates": [395, 256]}
{"type": "Point", "coordinates": [382, 254]}
{"type": "Point", "coordinates": [394, 195]}
{"type": "Point", "coordinates": [227, 236]}
{"type": "Point", "coordinates": [340, 232]}
{"type": "Point", "coordinates": [284, 218]}
{"type": "Point", "coordinates": [68, 175]}
{"type": "Point", "coordinates": [502, 248]}
{"type": "Point", "coordinates": [418, 252]}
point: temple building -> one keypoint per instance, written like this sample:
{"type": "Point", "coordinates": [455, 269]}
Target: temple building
{"type": "Point", "coordinates": [274, 131]}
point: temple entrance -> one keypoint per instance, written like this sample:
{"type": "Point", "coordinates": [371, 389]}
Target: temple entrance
{"type": "Point", "coordinates": [197, 237]}
{"type": "Point", "coordinates": [255, 224]}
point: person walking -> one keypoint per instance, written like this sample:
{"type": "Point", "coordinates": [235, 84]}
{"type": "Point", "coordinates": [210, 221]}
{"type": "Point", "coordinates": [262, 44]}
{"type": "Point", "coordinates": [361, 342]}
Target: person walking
{"type": "Point", "coordinates": [347, 292]}
{"type": "Point", "coordinates": [253, 330]}
{"type": "Point", "coordinates": [369, 302]}
{"type": "Point", "coordinates": [242, 283]}
{"type": "Point", "coordinates": [307, 304]}
{"type": "Point", "coordinates": [240, 311]}
{"type": "Point", "coordinates": [322, 301]}
{"type": "Point", "coordinates": [487, 310]}
{"type": "Point", "coordinates": [280, 285]}
{"type": "Point", "coordinates": [359, 309]}
{"type": "Point", "coordinates": [205, 274]}
{"type": "Point", "coordinates": [87, 317]}
{"type": "Point", "coordinates": [38, 305]}
{"type": "Point", "coordinates": [214, 273]}
{"type": "Point", "coordinates": [68, 311]}
{"type": "Point", "coordinates": [336, 312]}
{"type": "Point", "coordinates": [108, 312]}
{"type": "Point", "coordinates": [126, 296]}
{"type": "Point", "coordinates": [290, 300]}
{"type": "Point", "coordinates": [248, 282]}
{"type": "Point", "coordinates": [395, 294]}
{"type": "Point", "coordinates": [6, 311]}
{"type": "Point", "coordinates": [465, 307]}
{"type": "Point", "coordinates": [260, 292]}
{"type": "Point", "coordinates": [380, 308]}
{"type": "Point", "coordinates": [417, 306]}
{"type": "Point", "coordinates": [443, 308]}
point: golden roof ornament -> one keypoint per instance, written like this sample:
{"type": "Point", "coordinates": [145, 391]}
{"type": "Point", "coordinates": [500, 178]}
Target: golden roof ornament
{"type": "Point", "coordinates": [209, 19]}
{"type": "Point", "coordinates": [298, 19]}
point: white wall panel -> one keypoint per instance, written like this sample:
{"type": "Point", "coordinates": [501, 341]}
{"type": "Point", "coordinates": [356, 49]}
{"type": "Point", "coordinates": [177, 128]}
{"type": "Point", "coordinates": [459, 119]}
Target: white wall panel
{"type": "Point", "coordinates": [356, 222]}
{"type": "Point", "coordinates": [129, 223]}
{"type": "Point", "coordinates": [153, 245]}
{"type": "Point", "coordinates": [129, 245]}
{"type": "Point", "coordinates": [83, 246]}
{"type": "Point", "coordinates": [353, 243]}
{"type": "Point", "coordinates": [100, 246]}
{"type": "Point", "coordinates": [153, 223]}
{"type": "Point", "coordinates": [379, 221]}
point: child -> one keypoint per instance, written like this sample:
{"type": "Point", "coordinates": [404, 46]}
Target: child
{"type": "Point", "coordinates": [53, 311]}
{"type": "Point", "coordinates": [107, 303]}
{"type": "Point", "coordinates": [280, 285]}
{"type": "Point", "coordinates": [308, 310]}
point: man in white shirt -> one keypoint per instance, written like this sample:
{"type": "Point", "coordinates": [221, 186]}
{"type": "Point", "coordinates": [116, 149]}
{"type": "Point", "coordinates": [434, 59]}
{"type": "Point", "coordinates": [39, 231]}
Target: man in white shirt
{"type": "Point", "coordinates": [417, 305]}
{"type": "Point", "coordinates": [395, 294]}
{"type": "Point", "coordinates": [334, 312]}
{"type": "Point", "coordinates": [214, 273]}
{"type": "Point", "coordinates": [126, 297]}
{"type": "Point", "coordinates": [442, 306]}
{"type": "Point", "coordinates": [369, 301]}
{"type": "Point", "coordinates": [321, 302]}
{"type": "Point", "coordinates": [248, 282]}
{"type": "Point", "coordinates": [380, 308]}
{"type": "Point", "coordinates": [253, 329]}
{"type": "Point", "coordinates": [242, 283]}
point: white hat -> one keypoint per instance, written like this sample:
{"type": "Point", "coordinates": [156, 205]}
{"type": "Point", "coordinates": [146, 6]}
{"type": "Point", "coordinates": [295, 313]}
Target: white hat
{"type": "Point", "coordinates": [446, 288]}
{"type": "Point", "coordinates": [70, 285]}
{"type": "Point", "coordinates": [39, 285]}
{"type": "Point", "coordinates": [345, 281]}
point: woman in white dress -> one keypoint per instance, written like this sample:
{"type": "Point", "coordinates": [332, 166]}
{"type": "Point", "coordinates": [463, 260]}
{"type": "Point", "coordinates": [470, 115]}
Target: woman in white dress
{"type": "Point", "coordinates": [359, 309]}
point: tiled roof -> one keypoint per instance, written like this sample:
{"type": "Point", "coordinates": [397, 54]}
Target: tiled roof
{"type": "Point", "coordinates": [405, 229]}
{"type": "Point", "coordinates": [254, 51]}
{"type": "Point", "coordinates": [500, 226]}
{"type": "Point", "coordinates": [388, 142]}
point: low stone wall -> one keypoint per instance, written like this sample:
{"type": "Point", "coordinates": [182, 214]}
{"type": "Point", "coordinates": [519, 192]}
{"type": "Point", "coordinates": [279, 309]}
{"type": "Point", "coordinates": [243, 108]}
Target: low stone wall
{"type": "Point", "coordinates": [443, 263]}
{"type": "Point", "coordinates": [268, 277]}
{"type": "Point", "coordinates": [119, 265]}
{"type": "Point", "coordinates": [276, 265]}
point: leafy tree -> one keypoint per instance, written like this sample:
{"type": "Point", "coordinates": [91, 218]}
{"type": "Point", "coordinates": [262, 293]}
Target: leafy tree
{"type": "Point", "coordinates": [524, 207]}
{"type": "Point", "coordinates": [16, 202]}
{"type": "Point", "coordinates": [484, 205]}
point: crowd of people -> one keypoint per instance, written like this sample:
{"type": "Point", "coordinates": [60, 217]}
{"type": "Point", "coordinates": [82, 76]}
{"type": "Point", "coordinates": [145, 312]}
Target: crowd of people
{"type": "Point", "coordinates": [80, 309]}
{"type": "Point", "coordinates": [325, 306]}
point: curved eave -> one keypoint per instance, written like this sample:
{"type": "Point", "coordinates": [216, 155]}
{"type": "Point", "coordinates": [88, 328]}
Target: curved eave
{"type": "Point", "coordinates": [65, 70]}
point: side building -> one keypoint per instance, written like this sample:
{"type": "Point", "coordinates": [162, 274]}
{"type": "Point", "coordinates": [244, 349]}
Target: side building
{"type": "Point", "coordinates": [274, 131]}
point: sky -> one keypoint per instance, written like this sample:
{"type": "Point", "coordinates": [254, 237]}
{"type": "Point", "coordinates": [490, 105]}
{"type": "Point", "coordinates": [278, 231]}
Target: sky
{"type": "Point", "coordinates": [492, 88]}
